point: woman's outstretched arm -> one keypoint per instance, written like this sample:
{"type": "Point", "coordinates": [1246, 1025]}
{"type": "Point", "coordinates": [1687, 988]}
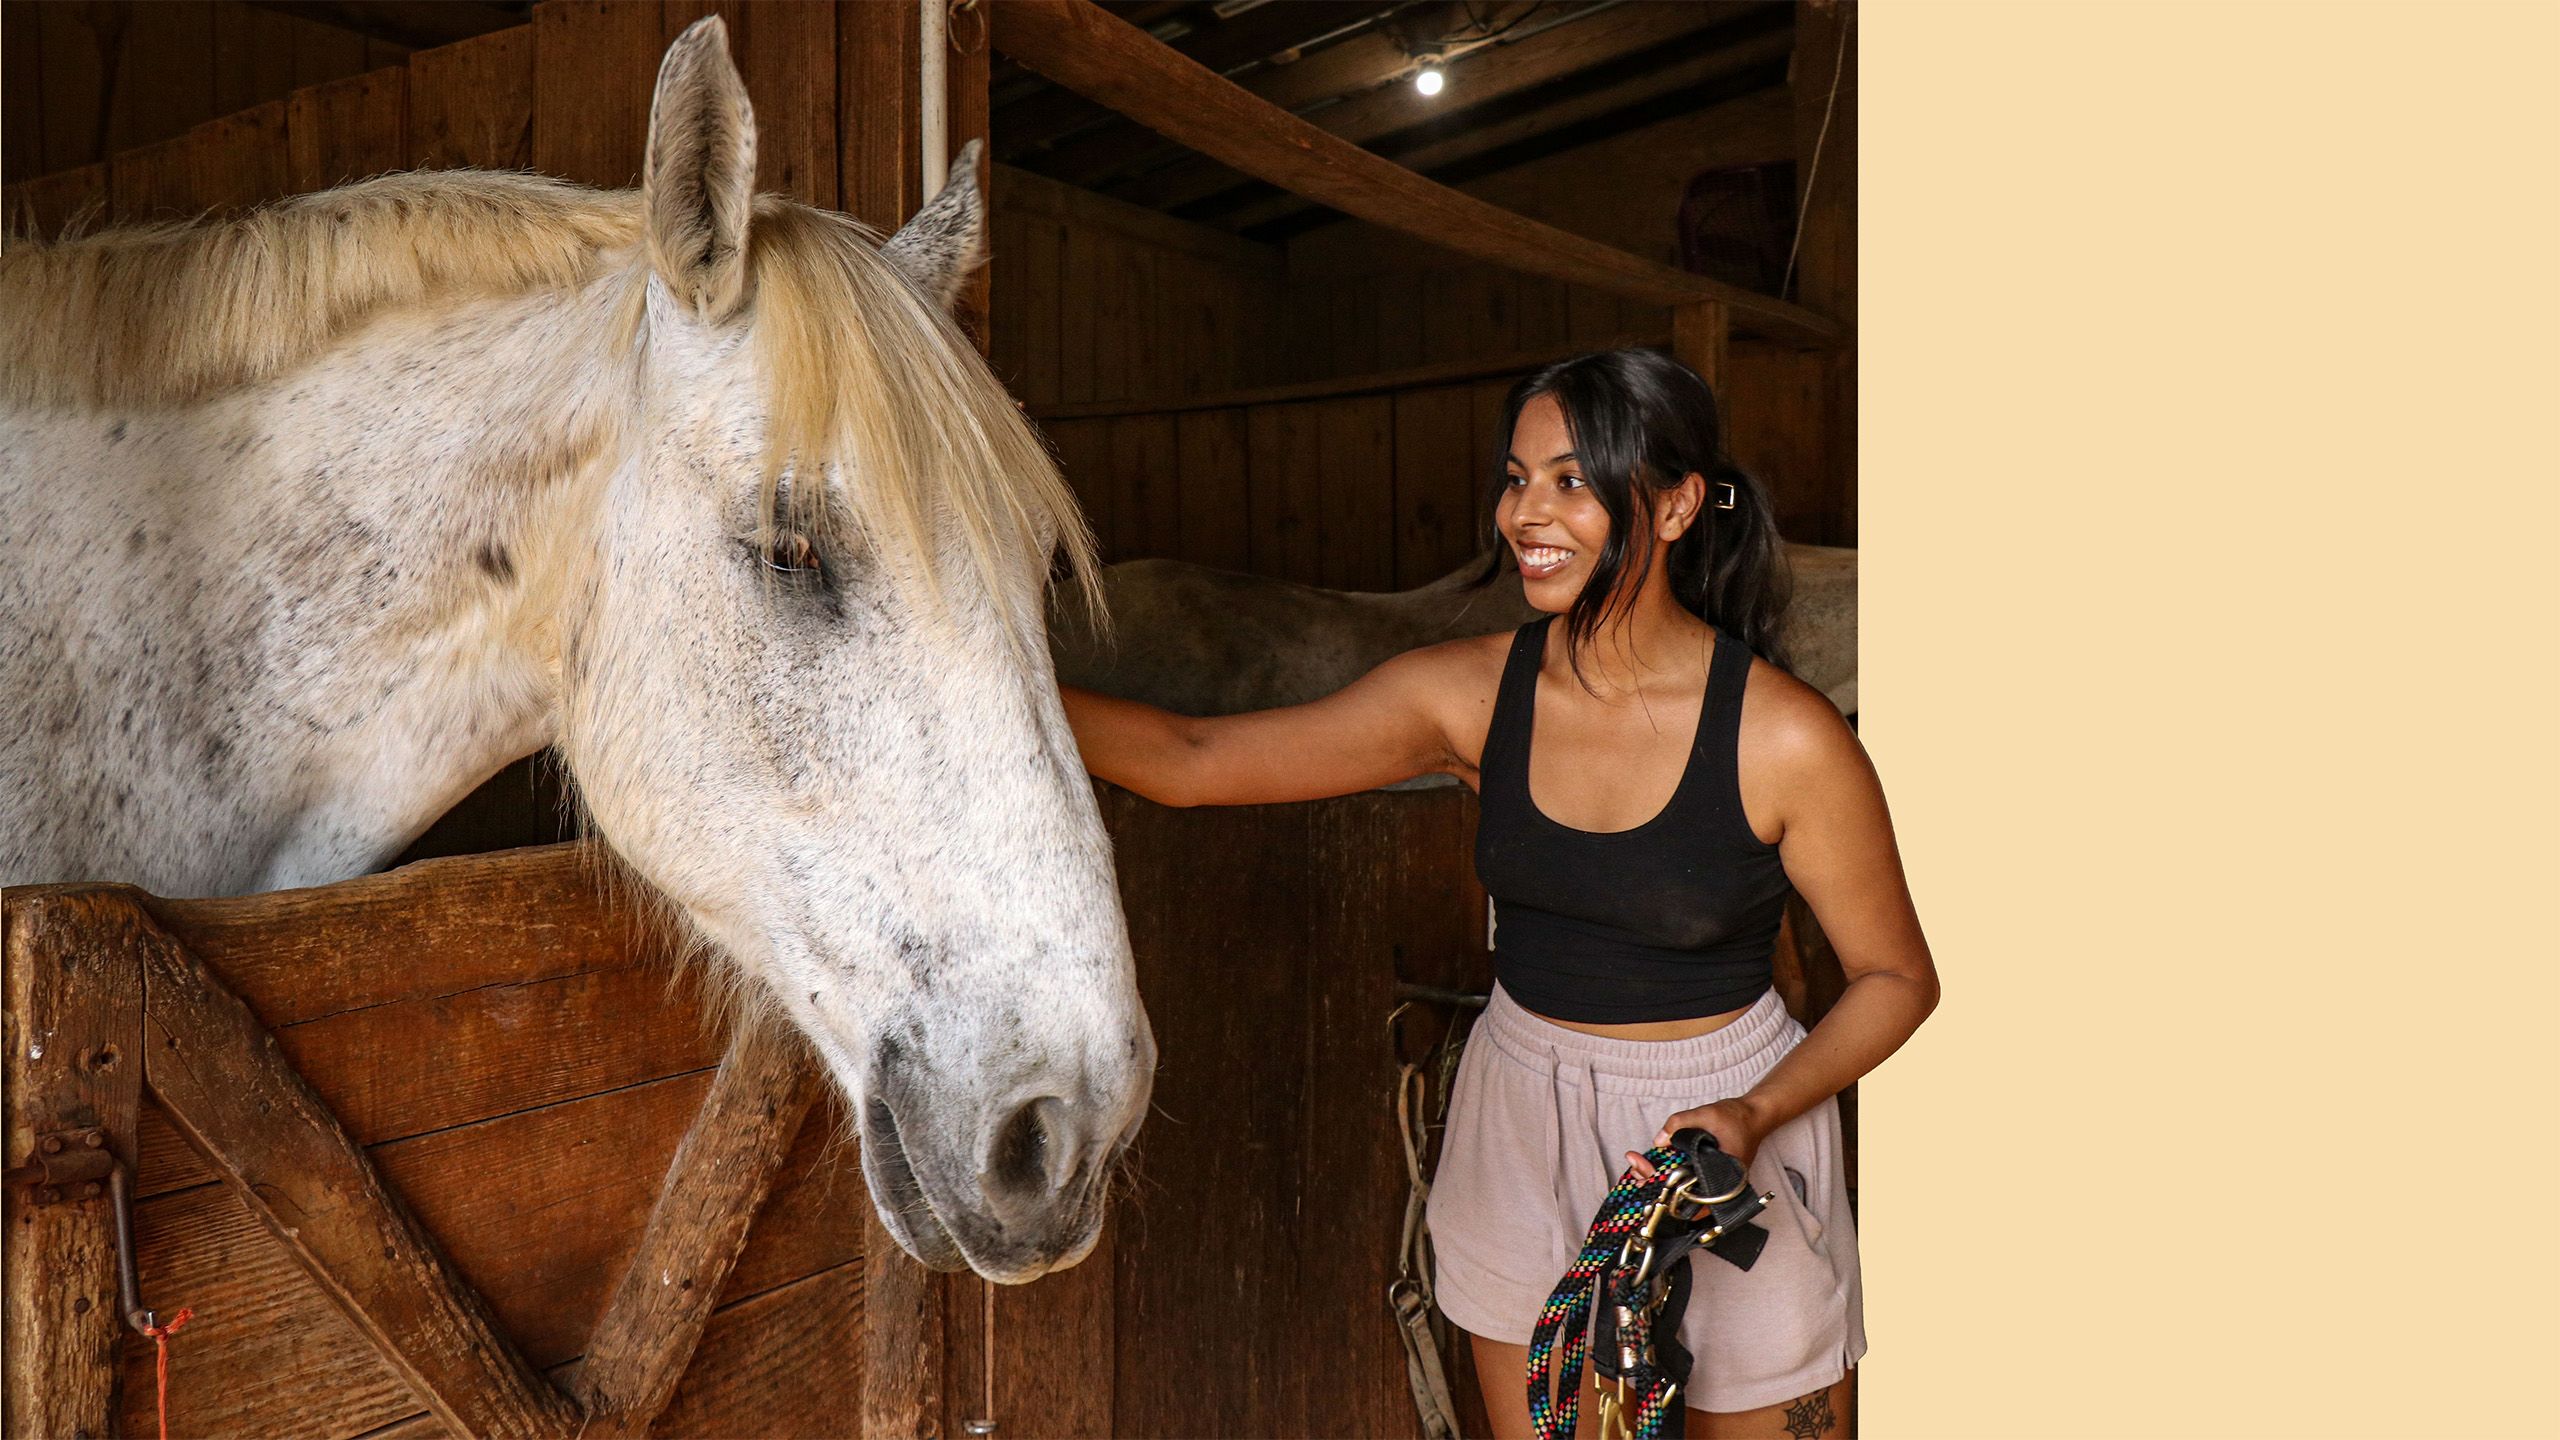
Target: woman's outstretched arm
{"type": "Point", "coordinates": [1407, 717]}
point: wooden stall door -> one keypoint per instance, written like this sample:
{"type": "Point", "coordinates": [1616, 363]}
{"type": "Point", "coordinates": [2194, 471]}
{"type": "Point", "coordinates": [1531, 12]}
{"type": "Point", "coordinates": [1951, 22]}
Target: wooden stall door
{"type": "Point", "coordinates": [1241, 1284]}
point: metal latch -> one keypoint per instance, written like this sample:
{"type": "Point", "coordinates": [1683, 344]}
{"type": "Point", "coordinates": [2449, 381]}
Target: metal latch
{"type": "Point", "coordinates": [67, 1165]}
{"type": "Point", "coordinates": [75, 1165]}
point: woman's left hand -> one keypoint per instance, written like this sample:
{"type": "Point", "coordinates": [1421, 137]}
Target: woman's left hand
{"type": "Point", "coordinates": [1736, 1128]}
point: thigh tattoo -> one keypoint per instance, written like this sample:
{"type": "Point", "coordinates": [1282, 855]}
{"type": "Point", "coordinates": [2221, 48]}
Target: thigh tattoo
{"type": "Point", "coordinates": [1811, 1416]}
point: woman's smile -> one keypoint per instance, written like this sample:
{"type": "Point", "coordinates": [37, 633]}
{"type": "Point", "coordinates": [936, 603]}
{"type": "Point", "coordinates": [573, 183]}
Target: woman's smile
{"type": "Point", "coordinates": [1537, 562]}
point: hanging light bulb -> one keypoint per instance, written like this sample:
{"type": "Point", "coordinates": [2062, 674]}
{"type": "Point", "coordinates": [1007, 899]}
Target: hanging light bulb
{"type": "Point", "coordinates": [1428, 79]}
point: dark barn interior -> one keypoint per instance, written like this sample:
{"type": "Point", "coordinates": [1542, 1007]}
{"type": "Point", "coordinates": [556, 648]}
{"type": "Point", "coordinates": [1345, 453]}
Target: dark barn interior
{"type": "Point", "coordinates": [1230, 374]}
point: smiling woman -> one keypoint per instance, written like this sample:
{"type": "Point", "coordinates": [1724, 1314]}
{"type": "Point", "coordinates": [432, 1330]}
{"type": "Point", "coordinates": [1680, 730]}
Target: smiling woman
{"type": "Point", "coordinates": [1639, 856]}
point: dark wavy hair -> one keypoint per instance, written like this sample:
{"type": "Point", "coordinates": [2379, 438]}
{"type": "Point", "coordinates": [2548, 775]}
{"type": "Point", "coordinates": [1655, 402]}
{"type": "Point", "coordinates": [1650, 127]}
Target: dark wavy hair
{"type": "Point", "coordinates": [1641, 422]}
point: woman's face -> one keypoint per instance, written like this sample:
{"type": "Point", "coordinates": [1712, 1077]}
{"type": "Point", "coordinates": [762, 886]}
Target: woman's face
{"type": "Point", "coordinates": [1555, 524]}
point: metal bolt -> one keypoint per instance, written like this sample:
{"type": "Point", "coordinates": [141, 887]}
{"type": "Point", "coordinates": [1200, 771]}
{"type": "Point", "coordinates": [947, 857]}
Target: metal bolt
{"type": "Point", "coordinates": [979, 1427]}
{"type": "Point", "coordinates": [95, 1139]}
{"type": "Point", "coordinates": [52, 1145]}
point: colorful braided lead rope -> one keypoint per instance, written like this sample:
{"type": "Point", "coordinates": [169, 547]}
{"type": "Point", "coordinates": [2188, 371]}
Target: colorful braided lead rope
{"type": "Point", "coordinates": [1568, 1309]}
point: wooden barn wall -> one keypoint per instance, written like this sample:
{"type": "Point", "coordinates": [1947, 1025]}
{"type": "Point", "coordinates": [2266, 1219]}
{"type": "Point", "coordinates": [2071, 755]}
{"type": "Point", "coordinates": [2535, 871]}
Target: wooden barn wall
{"type": "Point", "coordinates": [1376, 491]}
{"type": "Point", "coordinates": [567, 94]}
{"type": "Point", "coordinates": [1382, 488]}
{"type": "Point", "coordinates": [179, 63]}
{"type": "Point", "coordinates": [1360, 298]}
{"type": "Point", "coordinates": [1097, 300]}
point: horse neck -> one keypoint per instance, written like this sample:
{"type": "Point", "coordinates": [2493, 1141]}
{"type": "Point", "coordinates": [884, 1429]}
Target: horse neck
{"type": "Point", "coordinates": [420, 507]}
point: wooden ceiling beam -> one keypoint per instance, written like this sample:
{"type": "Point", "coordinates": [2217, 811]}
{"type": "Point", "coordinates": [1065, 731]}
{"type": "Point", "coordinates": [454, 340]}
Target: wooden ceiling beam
{"type": "Point", "coordinates": [1484, 89]}
{"type": "Point", "coordinates": [1037, 123]}
{"type": "Point", "coordinates": [1083, 48]}
{"type": "Point", "coordinates": [1436, 150]}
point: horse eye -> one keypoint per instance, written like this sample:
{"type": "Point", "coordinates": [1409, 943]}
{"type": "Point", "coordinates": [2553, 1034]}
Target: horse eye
{"type": "Point", "coordinates": [790, 553]}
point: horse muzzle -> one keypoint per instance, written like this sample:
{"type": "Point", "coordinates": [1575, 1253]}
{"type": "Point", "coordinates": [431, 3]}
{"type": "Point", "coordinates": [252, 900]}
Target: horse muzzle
{"type": "Point", "coordinates": [1011, 1191]}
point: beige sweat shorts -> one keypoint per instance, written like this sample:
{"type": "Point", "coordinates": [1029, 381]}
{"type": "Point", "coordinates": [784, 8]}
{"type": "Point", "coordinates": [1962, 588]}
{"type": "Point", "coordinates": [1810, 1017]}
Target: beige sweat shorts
{"type": "Point", "coordinates": [1539, 1125]}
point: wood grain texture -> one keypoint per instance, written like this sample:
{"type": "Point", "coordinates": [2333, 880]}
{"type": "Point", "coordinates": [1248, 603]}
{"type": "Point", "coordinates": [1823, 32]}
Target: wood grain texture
{"type": "Point", "coordinates": [1205, 1300]}
{"type": "Point", "coordinates": [1090, 51]}
{"type": "Point", "coordinates": [348, 129]}
{"type": "Point", "coordinates": [241, 160]}
{"type": "Point", "coordinates": [471, 102]}
{"type": "Point", "coordinates": [1213, 492]}
{"type": "Point", "coordinates": [900, 1341]}
{"type": "Point", "coordinates": [1438, 485]}
{"type": "Point", "coordinates": [595, 65]}
{"type": "Point", "coordinates": [714, 1188]}
{"type": "Point", "coordinates": [427, 931]}
{"type": "Point", "coordinates": [74, 1035]}
{"type": "Point", "coordinates": [1699, 333]}
{"type": "Point", "coordinates": [226, 1086]}
{"type": "Point", "coordinates": [880, 157]}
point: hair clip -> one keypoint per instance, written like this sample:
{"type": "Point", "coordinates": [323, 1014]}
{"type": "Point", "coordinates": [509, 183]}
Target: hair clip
{"type": "Point", "coordinates": [1730, 495]}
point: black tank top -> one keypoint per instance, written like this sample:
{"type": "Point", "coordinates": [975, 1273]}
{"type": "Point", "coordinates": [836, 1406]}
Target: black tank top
{"type": "Point", "coordinates": [1673, 919]}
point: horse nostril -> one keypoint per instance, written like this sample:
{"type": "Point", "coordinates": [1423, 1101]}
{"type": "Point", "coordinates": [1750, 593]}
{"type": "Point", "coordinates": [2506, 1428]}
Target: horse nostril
{"type": "Point", "coordinates": [1027, 1145]}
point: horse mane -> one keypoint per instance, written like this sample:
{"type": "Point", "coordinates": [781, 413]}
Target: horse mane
{"type": "Point", "coordinates": [860, 364]}
{"type": "Point", "coordinates": [144, 316]}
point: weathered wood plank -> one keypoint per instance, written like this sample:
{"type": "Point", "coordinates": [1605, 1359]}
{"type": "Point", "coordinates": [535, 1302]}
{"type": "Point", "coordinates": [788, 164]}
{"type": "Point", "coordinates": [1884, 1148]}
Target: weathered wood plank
{"type": "Point", "coordinates": [1207, 1265]}
{"type": "Point", "coordinates": [75, 1042]}
{"type": "Point", "coordinates": [901, 1340]}
{"type": "Point", "coordinates": [348, 129]}
{"type": "Point", "coordinates": [1355, 493]}
{"type": "Point", "coordinates": [1287, 523]}
{"type": "Point", "coordinates": [1699, 335]}
{"type": "Point", "coordinates": [595, 66]}
{"type": "Point", "coordinates": [781, 1365]}
{"type": "Point", "coordinates": [1389, 899]}
{"type": "Point", "coordinates": [240, 160]}
{"type": "Point", "coordinates": [1146, 502]}
{"type": "Point", "coordinates": [1214, 493]}
{"type": "Point", "coordinates": [471, 102]}
{"type": "Point", "coordinates": [880, 157]}
{"type": "Point", "coordinates": [714, 1188]}
{"type": "Point", "coordinates": [266, 1353]}
{"type": "Point", "coordinates": [500, 1048]}
{"type": "Point", "coordinates": [226, 1086]}
{"type": "Point", "coordinates": [423, 931]}
{"type": "Point", "coordinates": [1437, 484]}
{"type": "Point", "coordinates": [1094, 53]}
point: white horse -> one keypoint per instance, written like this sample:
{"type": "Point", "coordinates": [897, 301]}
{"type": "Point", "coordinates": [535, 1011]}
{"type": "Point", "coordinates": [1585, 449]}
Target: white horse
{"type": "Point", "coordinates": [318, 516]}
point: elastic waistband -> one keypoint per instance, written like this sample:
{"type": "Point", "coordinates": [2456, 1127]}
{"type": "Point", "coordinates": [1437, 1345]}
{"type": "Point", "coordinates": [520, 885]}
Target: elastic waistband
{"type": "Point", "coordinates": [1739, 1051]}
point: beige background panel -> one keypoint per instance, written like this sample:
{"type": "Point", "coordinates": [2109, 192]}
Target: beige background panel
{"type": "Point", "coordinates": [2208, 613]}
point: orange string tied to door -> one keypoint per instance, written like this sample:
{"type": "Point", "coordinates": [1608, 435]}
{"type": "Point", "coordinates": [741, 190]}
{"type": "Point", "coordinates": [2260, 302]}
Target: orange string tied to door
{"type": "Point", "coordinates": [160, 1337]}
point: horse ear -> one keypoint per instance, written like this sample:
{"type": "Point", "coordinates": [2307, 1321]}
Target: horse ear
{"type": "Point", "coordinates": [947, 240]}
{"type": "Point", "coordinates": [701, 171]}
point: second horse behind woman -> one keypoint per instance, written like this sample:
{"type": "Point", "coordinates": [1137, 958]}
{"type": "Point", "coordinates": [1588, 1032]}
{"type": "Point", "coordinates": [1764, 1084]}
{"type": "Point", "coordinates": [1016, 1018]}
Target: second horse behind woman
{"type": "Point", "coordinates": [1654, 782]}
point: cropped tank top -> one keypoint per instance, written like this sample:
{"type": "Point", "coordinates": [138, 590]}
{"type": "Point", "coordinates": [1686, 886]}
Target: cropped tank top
{"type": "Point", "coordinates": [1673, 919]}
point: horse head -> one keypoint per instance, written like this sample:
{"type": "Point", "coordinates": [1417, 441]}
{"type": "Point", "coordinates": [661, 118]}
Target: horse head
{"type": "Point", "coordinates": [806, 693]}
